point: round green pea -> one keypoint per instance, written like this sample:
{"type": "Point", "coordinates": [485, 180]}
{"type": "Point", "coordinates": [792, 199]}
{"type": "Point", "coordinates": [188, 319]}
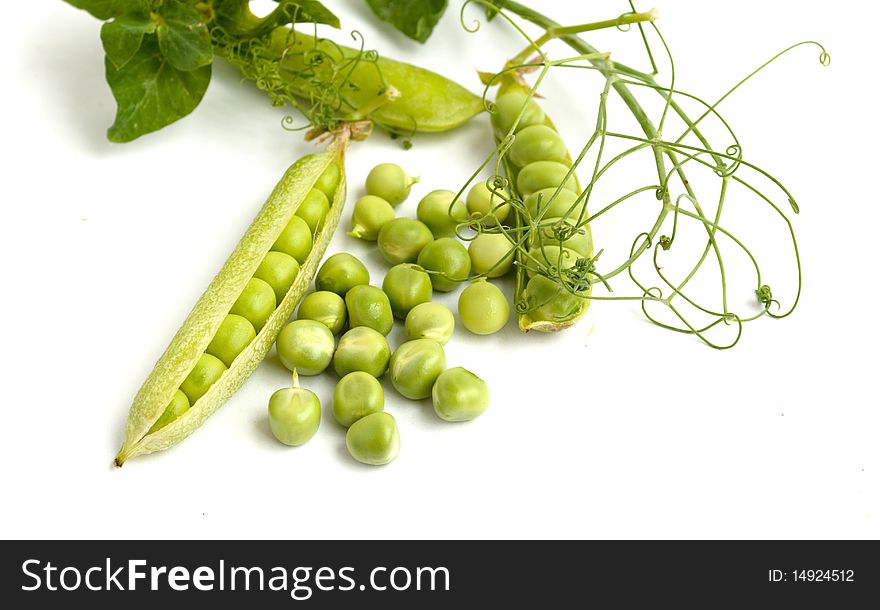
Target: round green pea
{"type": "Point", "coordinates": [362, 349]}
{"type": "Point", "coordinates": [547, 300]}
{"type": "Point", "coordinates": [233, 335]}
{"type": "Point", "coordinates": [483, 308]}
{"type": "Point", "coordinates": [486, 206]}
{"type": "Point", "coordinates": [314, 209]}
{"type": "Point", "coordinates": [255, 303]}
{"type": "Point", "coordinates": [370, 214]}
{"type": "Point", "coordinates": [357, 395]}
{"type": "Point", "coordinates": [305, 346]}
{"type": "Point", "coordinates": [551, 256]}
{"type": "Point", "coordinates": [442, 212]}
{"type": "Point", "coordinates": [415, 366]}
{"type": "Point", "coordinates": [294, 415]}
{"type": "Point", "coordinates": [374, 439]}
{"type": "Point", "coordinates": [390, 182]}
{"type": "Point", "coordinates": [491, 254]}
{"type": "Point", "coordinates": [295, 240]}
{"type": "Point", "coordinates": [340, 273]}
{"type": "Point", "coordinates": [325, 307]}
{"type": "Point", "coordinates": [430, 321]}
{"type": "Point", "coordinates": [581, 241]}
{"type": "Point", "coordinates": [549, 204]}
{"type": "Point", "coordinates": [279, 270]}
{"type": "Point", "coordinates": [459, 395]}
{"type": "Point", "coordinates": [544, 174]}
{"type": "Point", "coordinates": [402, 239]}
{"type": "Point", "coordinates": [449, 262]}
{"type": "Point", "coordinates": [178, 406]}
{"type": "Point", "coordinates": [206, 371]}
{"type": "Point", "coordinates": [406, 286]}
{"type": "Point", "coordinates": [328, 181]}
{"type": "Point", "coordinates": [537, 143]}
{"type": "Point", "coordinates": [508, 107]}
{"type": "Point", "coordinates": [368, 306]}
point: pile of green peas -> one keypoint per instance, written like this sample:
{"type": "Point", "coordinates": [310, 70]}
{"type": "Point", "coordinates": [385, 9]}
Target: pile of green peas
{"type": "Point", "coordinates": [424, 256]}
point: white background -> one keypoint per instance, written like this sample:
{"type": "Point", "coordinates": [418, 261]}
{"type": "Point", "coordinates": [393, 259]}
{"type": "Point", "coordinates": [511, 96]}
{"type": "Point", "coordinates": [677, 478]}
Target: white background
{"type": "Point", "coordinates": [627, 431]}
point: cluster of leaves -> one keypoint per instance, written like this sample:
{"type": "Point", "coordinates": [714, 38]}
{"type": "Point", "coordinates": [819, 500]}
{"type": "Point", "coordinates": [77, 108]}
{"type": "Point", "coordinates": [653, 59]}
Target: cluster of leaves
{"type": "Point", "coordinates": [158, 53]}
{"type": "Point", "coordinates": [418, 18]}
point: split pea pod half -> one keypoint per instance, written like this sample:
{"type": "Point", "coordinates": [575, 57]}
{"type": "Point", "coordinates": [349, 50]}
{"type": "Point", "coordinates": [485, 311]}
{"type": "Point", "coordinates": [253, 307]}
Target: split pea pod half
{"type": "Point", "coordinates": [556, 245]}
{"type": "Point", "coordinates": [262, 271]}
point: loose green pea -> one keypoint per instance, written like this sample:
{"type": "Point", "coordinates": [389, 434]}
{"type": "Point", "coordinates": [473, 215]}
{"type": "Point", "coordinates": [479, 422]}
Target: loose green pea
{"type": "Point", "coordinates": [368, 306]}
{"type": "Point", "coordinates": [449, 261]}
{"type": "Point", "coordinates": [415, 366]}
{"type": "Point", "coordinates": [430, 321]}
{"type": "Point", "coordinates": [549, 204]}
{"type": "Point", "coordinates": [402, 239]}
{"type": "Point", "coordinates": [294, 415]}
{"type": "Point", "coordinates": [442, 212]}
{"type": "Point", "coordinates": [233, 335]}
{"type": "Point", "coordinates": [206, 371]}
{"type": "Point", "coordinates": [374, 439]}
{"type": "Point", "coordinates": [580, 241]}
{"type": "Point", "coordinates": [491, 254]}
{"type": "Point", "coordinates": [314, 209]}
{"type": "Point", "coordinates": [279, 270]}
{"type": "Point", "coordinates": [362, 349]}
{"type": "Point", "coordinates": [340, 273]}
{"type": "Point", "coordinates": [537, 143]}
{"type": "Point", "coordinates": [547, 300]}
{"type": "Point", "coordinates": [255, 303]}
{"type": "Point", "coordinates": [544, 174]}
{"type": "Point", "coordinates": [390, 182]}
{"type": "Point", "coordinates": [177, 407]}
{"type": "Point", "coordinates": [486, 206]}
{"type": "Point", "coordinates": [483, 308]}
{"type": "Point", "coordinates": [406, 286]}
{"type": "Point", "coordinates": [552, 256]}
{"type": "Point", "coordinates": [459, 395]}
{"type": "Point", "coordinates": [508, 107]}
{"type": "Point", "coordinates": [328, 181]}
{"type": "Point", "coordinates": [295, 240]}
{"type": "Point", "coordinates": [357, 395]}
{"type": "Point", "coordinates": [370, 214]}
{"type": "Point", "coordinates": [305, 346]}
{"type": "Point", "coordinates": [325, 307]}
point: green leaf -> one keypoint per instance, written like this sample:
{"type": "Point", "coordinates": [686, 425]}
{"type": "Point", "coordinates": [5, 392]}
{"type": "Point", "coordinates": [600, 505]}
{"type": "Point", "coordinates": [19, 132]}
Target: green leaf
{"type": "Point", "coordinates": [183, 37]}
{"type": "Point", "coordinates": [122, 37]}
{"type": "Point", "coordinates": [236, 18]}
{"type": "Point", "coordinates": [107, 9]}
{"type": "Point", "coordinates": [151, 93]}
{"type": "Point", "coordinates": [415, 18]}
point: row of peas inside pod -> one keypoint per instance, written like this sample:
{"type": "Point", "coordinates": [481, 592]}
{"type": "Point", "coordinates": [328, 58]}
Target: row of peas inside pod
{"type": "Point", "coordinates": [424, 255]}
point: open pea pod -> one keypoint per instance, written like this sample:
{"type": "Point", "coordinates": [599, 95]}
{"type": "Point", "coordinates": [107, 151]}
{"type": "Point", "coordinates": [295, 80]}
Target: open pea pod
{"type": "Point", "coordinates": [200, 326]}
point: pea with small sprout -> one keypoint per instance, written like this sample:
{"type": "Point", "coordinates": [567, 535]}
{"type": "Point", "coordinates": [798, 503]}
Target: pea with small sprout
{"type": "Point", "coordinates": [294, 414]}
{"type": "Point", "coordinates": [370, 214]}
{"type": "Point", "coordinates": [390, 182]}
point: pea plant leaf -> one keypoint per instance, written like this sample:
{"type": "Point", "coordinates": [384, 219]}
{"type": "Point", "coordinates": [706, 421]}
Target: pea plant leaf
{"type": "Point", "coordinates": [183, 36]}
{"type": "Point", "coordinates": [151, 92]}
{"type": "Point", "coordinates": [107, 9]}
{"type": "Point", "coordinates": [415, 18]}
{"type": "Point", "coordinates": [236, 19]}
{"type": "Point", "coordinates": [122, 37]}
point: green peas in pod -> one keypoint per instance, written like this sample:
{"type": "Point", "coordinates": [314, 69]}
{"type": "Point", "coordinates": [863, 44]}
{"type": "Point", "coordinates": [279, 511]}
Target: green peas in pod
{"type": "Point", "coordinates": [305, 346]}
{"type": "Point", "coordinates": [279, 270]}
{"type": "Point", "coordinates": [402, 239]}
{"type": "Point", "coordinates": [340, 273]}
{"type": "Point", "coordinates": [255, 303]}
{"type": "Point", "coordinates": [415, 366]}
{"type": "Point", "coordinates": [487, 206]}
{"type": "Point", "coordinates": [357, 395]}
{"type": "Point", "coordinates": [578, 239]}
{"type": "Point", "coordinates": [548, 203]}
{"type": "Point", "coordinates": [430, 321]}
{"type": "Point", "coordinates": [362, 349]}
{"type": "Point", "coordinates": [544, 258]}
{"type": "Point", "coordinates": [459, 395]}
{"type": "Point", "coordinates": [547, 300]}
{"type": "Point", "coordinates": [294, 414]}
{"type": "Point", "coordinates": [390, 182]}
{"type": "Point", "coordinates": [483, 308]}
{"type": "Point", "coordinates": [369, 306]}
{"type": "Point", "coordinates": [544, 174]}
{"type": "Point", "coordinates": [328, 181]}
{"type": "Point", "coordinates": [325, 307]}
{"type": "Point", "coordinates": [233, 335]}
{"type": "Point", "coordinates": [491, 254]}
{"type": "Point", "coordinates": [448, 261]}
{"type": "Point", "coordinates": [406, 286]}
{"type": "Point", "coordinates": [203, 375]}
{"type": "Point", "coordinates": [295, 240]}
{"type": "Point", "coordinates": [537, 143]}
{"type": "Point", "coordinates": [512, 105]}
{"type": "Point", "coordinates": [374, 439]}
{"type": "Point", "coordinates": [370, 214]}
{"type": "Point", "coordinates": [177, 407]}
{"type": "Point", "coordinates": [314, 209]}
{"type": "Point", "coordinates": [442, 212]}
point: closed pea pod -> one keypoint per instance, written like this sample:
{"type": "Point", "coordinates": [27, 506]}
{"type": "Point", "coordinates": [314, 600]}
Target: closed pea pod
{"type": "Point", "coordinates": [483, 308]}
{"type": "Point", "coordinates": [415, 366]}
{"type": "Point", "coordinates": [402, 239]}
{"type": "Point", "coordinates": [325, 307]}
{"type": "Point", "coordinates": [357, 395]}
{"type": "Point", "coordinates": [406, 286]}
{"type": "Point", "coordinates": [368, 306]}
{"type": "Point", "coordinates": [447, 262]}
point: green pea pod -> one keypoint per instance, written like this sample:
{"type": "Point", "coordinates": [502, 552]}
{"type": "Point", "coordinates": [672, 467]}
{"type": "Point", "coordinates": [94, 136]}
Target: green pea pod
{"type": "Point", "coordinates": [541, 305]}
{"type": "Point", "coordinates": [209, 312]}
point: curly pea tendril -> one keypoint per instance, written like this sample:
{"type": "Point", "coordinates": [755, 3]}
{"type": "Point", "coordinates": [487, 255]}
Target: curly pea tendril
{"type": "Point", "coordinates": [688, 309]}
